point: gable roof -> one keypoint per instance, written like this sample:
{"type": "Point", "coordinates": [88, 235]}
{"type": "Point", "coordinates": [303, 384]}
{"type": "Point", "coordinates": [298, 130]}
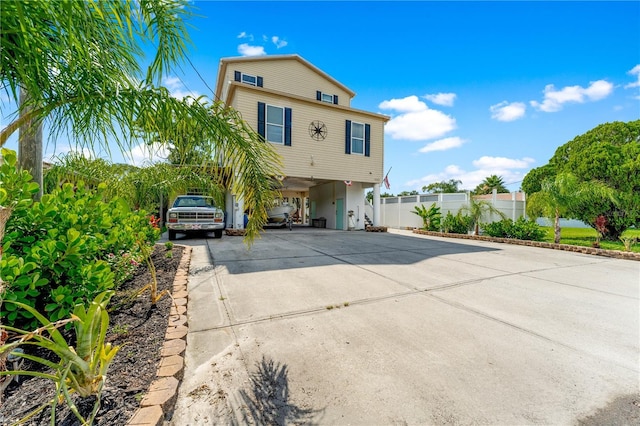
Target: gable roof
{"type": "Point", "coordinates": [224, 62]}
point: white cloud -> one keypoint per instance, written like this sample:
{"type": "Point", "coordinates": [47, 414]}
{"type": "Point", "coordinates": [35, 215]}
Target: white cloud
{"type": "Point", "coordinates": [510, 169]}
{"type": "Point", "coordinates": [505, 111]}
{"type": "Point", "coordinates": [246, 50]}
{"type": "Point", "coordinates": [176, 88]}
{"type": "Point", "coordinates": [443, 144]}
{"type": "Point", "coordinates": [554, 99]}
{"type": "Point", "coordinates": [278, 42]}
{"type": "Point", "coordinates": [143, 154]}
{"type": "Point", "coordinates": [634, 71]}
{"type": "Point", "coordinates": [416, 121]}
{"type": "Point", "coordinates": [444, 99]}
{"type": "Point", "coordinates": [245, 35]}
{"type": "Point", "coordinates": [502, 163]}
{"type": "Point", "coordinates": [408, 104]}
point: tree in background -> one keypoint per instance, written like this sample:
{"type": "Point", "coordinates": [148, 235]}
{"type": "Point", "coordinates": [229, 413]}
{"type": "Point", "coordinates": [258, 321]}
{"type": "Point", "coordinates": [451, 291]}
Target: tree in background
{"type": "Point", "coordinates": [560, 195]}
{"type": "Point", "coordinates": [369, 196]}
{"type": "Point", "coordinates": [610, 154]}
{"type": "Point", "coordinates": [489, 184]}
{"type": "Point", "coordinates": [78, 67]}
{"type": "Point", "coordinates": [445, 187]}
{"type": "Point", "coordinates": [405, 193]}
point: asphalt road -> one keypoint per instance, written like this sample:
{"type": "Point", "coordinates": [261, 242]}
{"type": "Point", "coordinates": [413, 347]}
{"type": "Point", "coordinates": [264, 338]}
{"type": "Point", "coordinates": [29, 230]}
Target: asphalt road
{"type": "Point", "coordinates": [316, 326]}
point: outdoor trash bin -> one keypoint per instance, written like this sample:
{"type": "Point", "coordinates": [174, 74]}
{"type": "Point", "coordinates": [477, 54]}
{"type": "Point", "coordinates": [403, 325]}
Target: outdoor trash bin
{"type": "Point", "coordinates": [321, 222]}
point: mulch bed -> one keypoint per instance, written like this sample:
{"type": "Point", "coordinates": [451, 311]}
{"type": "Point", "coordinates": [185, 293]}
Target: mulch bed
{"type": "Point", "coordinates": [138, 328]}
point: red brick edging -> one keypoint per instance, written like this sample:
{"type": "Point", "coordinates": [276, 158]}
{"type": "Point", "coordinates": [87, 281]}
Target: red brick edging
{"type": "Point", "coordinates": [163, 391]}
{"type": "Point", "coordinates": [566, 247]}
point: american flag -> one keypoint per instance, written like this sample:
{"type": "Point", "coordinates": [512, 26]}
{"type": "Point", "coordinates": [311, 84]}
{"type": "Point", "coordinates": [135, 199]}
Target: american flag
{"type": "Point", "coordinates": [386, 182]}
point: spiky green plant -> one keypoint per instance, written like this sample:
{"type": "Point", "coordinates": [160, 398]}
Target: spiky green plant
{"type": "Point", "coordinates": [81, 369]}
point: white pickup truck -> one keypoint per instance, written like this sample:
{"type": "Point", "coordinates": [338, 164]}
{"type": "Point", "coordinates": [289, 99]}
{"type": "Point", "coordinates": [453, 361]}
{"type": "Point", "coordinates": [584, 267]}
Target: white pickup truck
{"type": "Point", "coordinates": [195, 213]}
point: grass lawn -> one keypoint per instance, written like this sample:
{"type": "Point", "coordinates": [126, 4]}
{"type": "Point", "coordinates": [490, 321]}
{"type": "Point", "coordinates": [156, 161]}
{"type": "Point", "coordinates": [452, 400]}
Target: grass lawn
{"type": "Point", "coordinates": [586, 236]}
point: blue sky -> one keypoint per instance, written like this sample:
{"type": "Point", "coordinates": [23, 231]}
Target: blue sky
{"type": "Point", "coordinates": [472, 88]}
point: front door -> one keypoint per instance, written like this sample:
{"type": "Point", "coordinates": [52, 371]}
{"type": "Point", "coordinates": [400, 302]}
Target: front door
{"type": "Point", "coordinates": [340, 213]}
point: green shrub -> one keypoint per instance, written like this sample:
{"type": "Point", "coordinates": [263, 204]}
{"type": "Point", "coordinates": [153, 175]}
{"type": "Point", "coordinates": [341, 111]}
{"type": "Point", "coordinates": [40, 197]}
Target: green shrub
{"type": "Point", "coordinates": [458, 224]}
{"type": "Point", "coordinates": [521, 229]}
{"type": "Point", "coordinates": [61, 251]}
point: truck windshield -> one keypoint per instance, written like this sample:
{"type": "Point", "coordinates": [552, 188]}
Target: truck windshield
{"type": "Point", "coordinates": [194, 202]}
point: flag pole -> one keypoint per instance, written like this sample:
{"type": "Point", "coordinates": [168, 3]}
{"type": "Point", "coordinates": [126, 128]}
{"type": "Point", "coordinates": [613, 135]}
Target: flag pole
{"type": "Point", "coordinates": [385, 176]}
{"type": "Point", "coordinates": [385, 181]}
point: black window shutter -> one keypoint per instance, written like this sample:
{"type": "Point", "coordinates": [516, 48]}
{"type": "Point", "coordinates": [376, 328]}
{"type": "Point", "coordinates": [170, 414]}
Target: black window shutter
{"type": "Point", "coordinates": [237, 76]}
{"type": "Point", "coordinates": [259, 82]}
{"type": "Point", "coordinates": [261, 119]}
{"type": "Point", "coordinates": [335, 99]}
{"type": "Point", "coordinates": [318, 95]}
{"type": "Point", "coordinates": [367, 140]}
{"type": "Point", "coordinates": [287, 126]}
{"type": "Point", "coordinates": [347, 139]}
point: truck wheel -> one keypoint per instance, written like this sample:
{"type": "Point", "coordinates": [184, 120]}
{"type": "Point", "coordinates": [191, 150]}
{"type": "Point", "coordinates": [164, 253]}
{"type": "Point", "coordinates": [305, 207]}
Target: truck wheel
{"type": "Point", "coordinates": [172, 235]}
{"type": "Point", "coordinates": [217, 234]}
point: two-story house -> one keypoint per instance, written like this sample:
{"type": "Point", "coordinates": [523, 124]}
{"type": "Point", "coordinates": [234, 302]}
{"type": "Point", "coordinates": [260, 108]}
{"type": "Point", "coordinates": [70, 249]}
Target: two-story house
{"type": "Point", "coordinates": [331, 152]}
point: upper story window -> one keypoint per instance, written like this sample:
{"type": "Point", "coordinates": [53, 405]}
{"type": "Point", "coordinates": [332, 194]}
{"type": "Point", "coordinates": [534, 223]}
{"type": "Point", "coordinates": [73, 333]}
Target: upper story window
{"type": "Point", "coordinates": [274, 123]}
{"type": "Point", "coordinates": [325, 97]}
{"type": "Point", "coordinates": [253, 80]}
{"type": "Point", "coordinates": [357, 138]}
{"type": "Point", "coordinates": [250, 79]}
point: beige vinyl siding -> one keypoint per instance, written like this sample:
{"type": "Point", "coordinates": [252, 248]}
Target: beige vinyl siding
{"type": "Point", "coordinates": [329, 158]}
{"type": "Point", "coordinates": [287, 75]}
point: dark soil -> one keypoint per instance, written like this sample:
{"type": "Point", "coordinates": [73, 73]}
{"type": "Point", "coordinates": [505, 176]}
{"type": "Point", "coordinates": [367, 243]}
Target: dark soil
{"type": "Point", "coordinates": [138, 328]}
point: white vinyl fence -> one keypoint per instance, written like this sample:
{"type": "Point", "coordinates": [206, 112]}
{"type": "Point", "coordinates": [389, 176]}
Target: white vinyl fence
{"type": "Point", "coordinates": [395, 212]}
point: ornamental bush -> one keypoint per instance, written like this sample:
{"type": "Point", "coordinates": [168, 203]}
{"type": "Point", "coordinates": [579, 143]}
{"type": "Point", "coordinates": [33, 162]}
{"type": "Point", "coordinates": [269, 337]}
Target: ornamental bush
{"type": "Point", "coordinates": [521, 229]}
{"type": "Point", "coordinates": [458, 224]}
{"type": "Point", "coordinates": [61, 251]}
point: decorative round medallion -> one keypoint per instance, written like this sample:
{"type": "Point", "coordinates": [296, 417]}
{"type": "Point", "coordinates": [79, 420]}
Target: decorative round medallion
{"type": "Point", "coordinates": [317, 130]}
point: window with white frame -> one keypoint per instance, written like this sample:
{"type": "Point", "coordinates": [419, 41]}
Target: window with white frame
{"type": "Point", "coordinates": [275, 124]}
{"type": "Point", "coordinates": [249, 79]}
{"type": "Point", "coordinates": [357, 138]}
{"type": "Point", "coordinates": [253, 80]}
{"type": "Point", "coordinates": [327, 98]}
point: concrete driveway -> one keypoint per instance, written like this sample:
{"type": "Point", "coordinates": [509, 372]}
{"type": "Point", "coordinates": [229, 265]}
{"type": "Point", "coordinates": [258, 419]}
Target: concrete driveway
{"type": "Point", "coordinates": [314, 326]}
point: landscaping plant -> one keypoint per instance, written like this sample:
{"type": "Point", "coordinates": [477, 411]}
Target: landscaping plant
{"type": "Point", "coordinates": [458, 224]}
{"type": "Point", "coordinates": [83, 361]}
{"type": "Point", "coordinates": [521, 229]}
{"type": "Point", "coordinates": [430, 217]}
{"type": "Point", "coordinates": [477, 209]}
{"type": "Point", "coordinates": [61, 251]}
{"type": "Point", "coordinates": [610, 154]}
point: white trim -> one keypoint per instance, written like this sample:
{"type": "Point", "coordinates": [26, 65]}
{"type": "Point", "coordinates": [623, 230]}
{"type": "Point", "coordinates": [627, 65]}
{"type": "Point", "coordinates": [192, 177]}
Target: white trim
{"type": "Point", "coordinates": [254, 77]}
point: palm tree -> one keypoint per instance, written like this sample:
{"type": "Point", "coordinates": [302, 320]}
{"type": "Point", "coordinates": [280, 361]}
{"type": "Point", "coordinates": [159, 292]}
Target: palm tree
{"type": "Point", "coordinates": [79, 68]}
{"type": "Point", "coordinates": [477, 209]}
{"type": "Point", "coordinates": [489, 184]}
{"type": "Point", "coordinates": [141, 187]}
{"type": "Point", "coordinates": [558, 195]}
